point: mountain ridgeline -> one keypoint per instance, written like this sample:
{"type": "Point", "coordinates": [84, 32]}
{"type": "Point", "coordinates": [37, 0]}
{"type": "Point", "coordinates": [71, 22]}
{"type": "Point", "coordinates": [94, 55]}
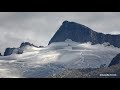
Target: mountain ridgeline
{"type": "Point", "coordinates": [80, 33]}
{"type": "Point", "coordinates": [76, 32]}
{"type": "Point", "coordinates": [18, 50]}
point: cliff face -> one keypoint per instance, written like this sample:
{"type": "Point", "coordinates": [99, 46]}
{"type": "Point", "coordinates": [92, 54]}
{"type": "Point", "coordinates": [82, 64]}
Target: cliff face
{"type": "Point", "coordinates": [80, 33]}
{"type": "Point", "coordinates": [115, 60]}
{"type": "Point", "coordinates": [10, 51]}
{"type": "Point", "coordinates": [0, 54]}
{"type": "Point", "coordinates": [19, 50]}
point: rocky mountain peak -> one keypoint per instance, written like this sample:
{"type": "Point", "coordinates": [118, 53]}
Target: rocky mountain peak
{"type": "Point", "coordinates": [82, 34]}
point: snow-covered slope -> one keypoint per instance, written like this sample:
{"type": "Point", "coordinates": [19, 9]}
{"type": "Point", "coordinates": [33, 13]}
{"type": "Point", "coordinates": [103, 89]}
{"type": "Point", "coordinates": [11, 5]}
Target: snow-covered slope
{"type": "Point", "coordinates": [52, 59]}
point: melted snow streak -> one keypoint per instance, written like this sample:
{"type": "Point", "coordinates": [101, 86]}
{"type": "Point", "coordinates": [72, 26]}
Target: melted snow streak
{"type": "Point", "coordinates": [52, 59]}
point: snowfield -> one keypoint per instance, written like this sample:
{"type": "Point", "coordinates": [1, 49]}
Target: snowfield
{"type": "Point", "coordinates": [52, 59]}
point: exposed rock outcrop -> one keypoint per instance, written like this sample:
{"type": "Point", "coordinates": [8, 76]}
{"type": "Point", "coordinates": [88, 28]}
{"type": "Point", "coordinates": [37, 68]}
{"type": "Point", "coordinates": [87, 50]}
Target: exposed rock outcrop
{"type": "Point", "coordinates": [19, 50]}
{"type": "Point", "coordinates": [80, 33]}
{"type": "Point", "coordinates": [115, 60]}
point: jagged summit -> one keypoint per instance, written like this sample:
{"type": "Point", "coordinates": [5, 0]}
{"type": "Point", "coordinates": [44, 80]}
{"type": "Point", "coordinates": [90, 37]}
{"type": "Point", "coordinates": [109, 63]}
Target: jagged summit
{"type": "Point", "coordinates": [81, 33]}
{"type": "Point", "coordinates": [69, 23]}
{"type": "Point", "coordinates": [9, 51]}
{"type": "Point", "coordinates": [65, 22]}
{"type": "Point", "coordinates": [23, 44]}
{"type": "Point", "coordinates": [71, 30]}
{"type": "Point", "coordinates": [73, 25]}
{"type": "Point", "coordinates": [19, 50]}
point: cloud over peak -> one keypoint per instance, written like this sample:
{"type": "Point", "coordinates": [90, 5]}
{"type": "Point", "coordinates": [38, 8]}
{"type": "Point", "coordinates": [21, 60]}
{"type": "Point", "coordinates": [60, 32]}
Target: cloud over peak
{"type": "Point", "coordinates": [39, 27]}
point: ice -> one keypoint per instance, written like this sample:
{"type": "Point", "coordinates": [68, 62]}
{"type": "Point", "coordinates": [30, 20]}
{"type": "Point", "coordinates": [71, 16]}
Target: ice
{"type": "Point", "coordinates": [45, 61]}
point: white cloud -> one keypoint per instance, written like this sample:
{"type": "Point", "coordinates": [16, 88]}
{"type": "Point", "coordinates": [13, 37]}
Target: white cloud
{"type": "Point", "coordinates": [39, 27]}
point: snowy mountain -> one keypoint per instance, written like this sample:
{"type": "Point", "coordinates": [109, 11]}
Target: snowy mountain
{"type": "Point", "coordinates": [80, 33]}
{"type": "Point", "coordinates": [20, 49]}
{"type": "Point", "coordinates": [74, 50]}
{"type": "Point", "coordinates": [55, 58]}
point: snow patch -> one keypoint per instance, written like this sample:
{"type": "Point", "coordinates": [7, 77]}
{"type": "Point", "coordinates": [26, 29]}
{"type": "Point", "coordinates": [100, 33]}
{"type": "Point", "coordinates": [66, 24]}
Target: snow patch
{"type": "Point", "coordinates": [34, 62]}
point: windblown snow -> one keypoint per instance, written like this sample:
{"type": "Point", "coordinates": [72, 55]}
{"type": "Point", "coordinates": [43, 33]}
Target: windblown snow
{"type": "Point", "coordinates": [52, 59]}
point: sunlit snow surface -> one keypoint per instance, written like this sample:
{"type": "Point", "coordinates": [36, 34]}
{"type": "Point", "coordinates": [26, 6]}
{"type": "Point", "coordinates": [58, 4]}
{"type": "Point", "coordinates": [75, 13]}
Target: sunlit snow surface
{"type": "Point", "coordinates": [52, 59]}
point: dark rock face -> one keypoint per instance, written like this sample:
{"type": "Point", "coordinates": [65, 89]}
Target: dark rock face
{"type": "Point", "coordinates": [25, 44]}
{"type": "Point", "coordinates": [115, 60]}
{"type": "Point", "coordinates": [19, 50]}
{"type": "Point", "coordinates": [0, 54]}
{"type": "Point", "coordinates": [9, 51]}
{"type": "Point", "coordinates": [41, 46]}
{"type": "Point", "coordinates": [80, 33]}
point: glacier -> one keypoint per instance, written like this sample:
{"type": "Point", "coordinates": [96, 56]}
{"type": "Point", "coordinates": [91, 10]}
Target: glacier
{"type": "Point", "coordinates": [36, 62]}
